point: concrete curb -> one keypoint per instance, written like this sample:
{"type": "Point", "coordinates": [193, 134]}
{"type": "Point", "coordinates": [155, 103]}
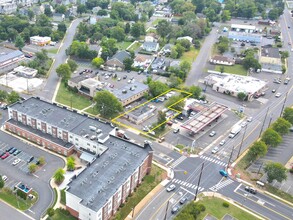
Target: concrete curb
{"type": "Point", "coordinates": [278, 198]}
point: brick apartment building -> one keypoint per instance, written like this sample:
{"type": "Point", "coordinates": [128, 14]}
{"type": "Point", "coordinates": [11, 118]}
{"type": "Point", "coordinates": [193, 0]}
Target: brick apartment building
{"type": "Point", "coordinates": [115, 169]}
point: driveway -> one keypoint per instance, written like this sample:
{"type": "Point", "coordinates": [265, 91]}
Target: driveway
{"type": "Point", "coordinates": [39, 181]}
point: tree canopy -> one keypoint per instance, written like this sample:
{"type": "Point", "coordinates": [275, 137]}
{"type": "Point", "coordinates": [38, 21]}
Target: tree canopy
{"type": "Point", "coordinates": [174, 103]}
{"type": "Point", "coordinates": [107, 104]}
{"type": "Point", "coordinates": [271, 137]}
{"type": "Point", "coordinates": [288, 114]}
{"type": "Point", "coordinates": [281, 126]}
{"type": "Point", "coordinates": [59, 175]}
{"type": "Point", "coordinates": [258, 149]}
{"type": "Point", "coordinates": [157, 88]}
{"type": "Point", "coordinates": [275, 171]}
{"type": "Point", "coordinates": [64, 71]}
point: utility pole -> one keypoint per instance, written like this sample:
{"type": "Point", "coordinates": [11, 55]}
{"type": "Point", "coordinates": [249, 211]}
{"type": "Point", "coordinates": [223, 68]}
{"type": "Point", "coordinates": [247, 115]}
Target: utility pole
{"type": "Point", "coordinates": [263, 122]}
{"type": "Point", "coordinates": [270, 120]}
{"type": "Point", "coordinates": [166, 210]}
{"type": "Point", "coordinates": [231, 155]}
{"type": "Point", "coordinates": [132, 214]}
{"type": "Point", "coordinates": [242, 141]}
{"type": "Point", "coordinates": [195, 197]}
{"type": "Point", "coordinates": [284, 104]}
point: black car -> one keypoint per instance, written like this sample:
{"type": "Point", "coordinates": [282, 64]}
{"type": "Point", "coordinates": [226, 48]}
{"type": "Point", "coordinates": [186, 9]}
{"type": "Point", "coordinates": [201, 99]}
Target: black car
{"type": "Point", "coordinates": [9, 149]}
{"type": "Point", "coordinates": [30, 159]}
{"type": "Point", "coordinates": [12, 150]}
{"type": "Point", "coordinates": [2, 154]}
{"type": "Point", "coordinates": [124, 77]}
{"type": "Point", "coordinates": [17, 152]}
{"type": "Point", "coordinates": [250, 189]}
{"type": "Point", "coordinates": [180, 117]}
{"type": "Point", "coordinates": [175, 209]}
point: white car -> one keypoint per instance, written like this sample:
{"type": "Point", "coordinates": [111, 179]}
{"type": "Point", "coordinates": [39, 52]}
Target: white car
{"type": "Point", "coordinates": [16, 161]}
{"type": "Point", "coordinates": [249, 119]}
{"type": "Point", "coordinates": [171, 188]}
{"type": "Point", "coordinates": [222, 142]}
{"type": "Point", "coordinates": [278, 95]}
{"type": "Point", "coordinates": [215, 150]}
{"type": "Point", "coordinates": [4, 178]}
{"type": "Point", "coordinates": [243, 124]}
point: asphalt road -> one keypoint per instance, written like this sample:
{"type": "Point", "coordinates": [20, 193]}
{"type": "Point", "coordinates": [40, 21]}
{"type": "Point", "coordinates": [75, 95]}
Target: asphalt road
{"type": "Point", "coordinates": [60, 58]}
{"type": "Point", "coordinates": [7, 212]}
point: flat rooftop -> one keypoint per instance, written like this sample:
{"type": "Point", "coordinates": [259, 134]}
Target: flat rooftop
{"type": "Point", "coordinates": [137, 88]}
{"type": "Point", "coordinates": [59, 116]}
{"type": "Point", "coordinates": [99, 181]}
{"type": "Point", "coordinates": [243, 26]}
{"type": "Point", "coordinates": [205, 116]}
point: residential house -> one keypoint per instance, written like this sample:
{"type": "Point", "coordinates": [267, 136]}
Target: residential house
{"type": "Point", "coordinates": [190, 39]}
{"type": "Point", "coordinates": [158, 63]}
{"type": "Point", "coordinates": [8, 7]}
{"type": "Point", "coordinates": [142, 60]}
{"type": "Point", "coordinates": [222, 60]}
{"type": "Point", "coordinates": [167, 48]}
{"type": "Point", "coordinates": [150, 46]}
{"type": "Point", "coordinates": [270, 60]}
{"type": "Point", "coordinates": [116, 62]}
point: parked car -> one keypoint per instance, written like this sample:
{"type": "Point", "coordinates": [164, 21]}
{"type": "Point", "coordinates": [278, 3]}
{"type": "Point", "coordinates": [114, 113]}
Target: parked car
{"type": "Point", "coordinates": [223, 173]}
{"type": "Point", "coordinates": [212, 134]}
{"type": "Point", "coordinates": [161, 139]}
{"type": "Point", "coordinates": [273, 91]}
{"type": "Point", "coordinates": [243, 124]}
{"type": "Point", "coordinates": [180, 117]}
{"type": "Point", "coordinates": [30, 159]}
{"type": "Point", "coordinates": [215, 150]}
{"type": "Point", "coordinates": [175, 209]}
{"type": "Point", "coordinates": [249, 119]}
{"type": "Point", "coordinates": [17, 152]}
{"type": "Point", "coordinates": [171, 188]}
{"type": "Point", "coordinates": [12, 150]}
{"type": "Point", "coordinates": [4, 178]}
{"type": "Point", "coordinates": [5, 155]}
{"type": "Point", "coordinates": [16, 161]}
{"type": "Point", "coordinates": [125, 77]}
{"type": "Point", "coordinates": [9, 149]}
{"type": "Point", "coordinates": [250, 189]}
{"type": "Point", "coordinates": [183, 200]}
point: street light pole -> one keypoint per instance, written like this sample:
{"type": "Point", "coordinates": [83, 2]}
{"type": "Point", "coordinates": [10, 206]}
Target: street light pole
{"type": "Point", "coordinates": [166, 210]}
{"type": "Point", "coordinates": [242, 141]}
{"type": "Point", "coordinates": [284, 104]}
{"type": "Point", "coordinates": [263, 122]}
{"type": "Point", "coordinates": [195, 197]}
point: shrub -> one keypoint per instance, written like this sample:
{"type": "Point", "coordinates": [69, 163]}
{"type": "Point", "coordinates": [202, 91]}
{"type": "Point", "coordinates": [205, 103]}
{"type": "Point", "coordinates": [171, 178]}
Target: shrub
{"type": "Point", "coordinates": [201, 207]}
{"type": "Point", "coordinates": [226, 204]}
{"type": "Point", "coordinates": [291, 170]}
{"type": "Point", "coordinates": [50, 211]}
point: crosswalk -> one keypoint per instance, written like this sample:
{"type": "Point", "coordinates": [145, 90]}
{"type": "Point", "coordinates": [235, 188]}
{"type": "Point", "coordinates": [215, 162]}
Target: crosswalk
{"type": "Point", "coordinates": [213, 160]}
{"type": "Point", "coordinates": [178, 161]}
{"type": "Point", "coordinates": [221, 185]}
{"type": "Point", "coordinates": [186, 184]}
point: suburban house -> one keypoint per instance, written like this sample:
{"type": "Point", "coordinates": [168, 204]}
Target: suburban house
{"type": "Point", "coordinates": [8, 7]}
{"type": "Point", "coordinates": [142, 60]}
{"type": "Point", "coordinates": [150, 46]}
{"type": "Point", "coordinates": [270, 60]}
{"type": "Point", "coordinates": [167, 48]}
{"type": "Point", "coordinates": [158, 63]}
{"type": "Point", "coordinates": [222, 60]}
{"type": "Point", "coordinates": [116, 62]}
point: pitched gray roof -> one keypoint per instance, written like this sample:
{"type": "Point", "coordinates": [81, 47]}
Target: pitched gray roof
{"type": "Point", "coordinates": [11, 55]}
{"type": "Point", "coordinates": [121, 56]}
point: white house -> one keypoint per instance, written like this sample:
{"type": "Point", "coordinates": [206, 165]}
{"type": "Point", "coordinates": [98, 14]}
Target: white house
{"type": "Point", "coordinates": [142, 60]}
{"type": "Point", "coordinates": [222, 60]}
{"type": "Point", "coordinates": [150, 46]}
{"type": "Point", "coordinates": [190, 39]}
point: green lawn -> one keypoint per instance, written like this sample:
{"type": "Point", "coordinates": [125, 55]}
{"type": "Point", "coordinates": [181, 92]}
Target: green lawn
{"type": "Point", "coordinates": [190, 56]}
{"type": "Point", "coordinates": [150, 182]}
{"type": "Point", "coordinates": [235, 69]}
{"type": "Point", "coordinates": [92, 111]}
{"type": "Point", "coordinates": [214, 206]}
{"type": "Point", "coordinates": [135, 46]}
{"type": "Point", "coordinates": [63, 197]}
{"type": "Point", "coordinates": [155, 22]}
{"type": "Point", "coordinates": [123, 45]}
{"type": "Point", "coordinates": [53, 50]}
{"type": "Point", "coordinates": [71, 99]}
{"type": "Point", "coordinates": [15, 201]}
{"type": "Point", "coordinates": [61, 215]}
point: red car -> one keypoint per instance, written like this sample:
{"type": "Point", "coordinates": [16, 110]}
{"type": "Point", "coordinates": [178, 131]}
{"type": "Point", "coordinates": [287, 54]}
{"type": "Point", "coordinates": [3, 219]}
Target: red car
{"type": "Point", "coordinates": [5, 156]}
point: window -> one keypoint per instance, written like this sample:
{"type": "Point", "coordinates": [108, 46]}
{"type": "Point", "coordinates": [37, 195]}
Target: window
{"type": "Point", "coordinates": [76, 139]}
{"type": "Point", "coordinates": [88, 144]}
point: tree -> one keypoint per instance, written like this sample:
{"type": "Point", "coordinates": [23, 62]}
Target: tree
{"type": "Point", "coordinates": [226, 15]}
{"type": "Point", "coordinates": [42, 160]}
{"type": "Point", "coordinates": [273, 14]}
{"type": "Point", "coordinates": [3, 95]}
{"type": "Point", "coordinates": [288, 114]}
{"type": "Point", "coordinates": [127, 63]}
{"type": "Point", "coordinates": [185, 66]}
{"type": "Point", "coordinates": [271, 138]}
{"type": "Point", "coordinates": [2, 183]}
{"type": "Point", "coordinates": [174, 81]}
{"type": "Point", "coordinates": [72, 64]}
{"type": "Point", "coordinates": [30, 14]}
{"type": "Point", "coordinates": [275, 171]}
{"type": "Point", "coordinates": [50, 212]}
{"type": "Point", "coordinates": [196, 91]}
{"type": "Point", "coordinates": [32, 167]}
{"type": "Point", "coordinates": [161, 120]}
{"type": "Point", "coordinates": [48, 12]}
{"type": "Point", "coordinates": [258, 149]}
{"type": "Point", "coordinates": [157, 88]}
{"type": "Point", "coordinates": [19, 42]}
{"type": "Point", "coordinates": [222, 69]}
{"type": "Point", "coordinates": [59, 176]}
{"type": "Point", "coordinates": [223, 47]}
{"type": "Point", "coordinates": [13, 97]}
{"type": "Point", "coordinates": [127, 28]}
{"type": "Point", "coordinates": [281, 126]}
{"type": "Point", "coordinates": [102, 12]}
{"type": "Point", "coordinates": [107, 104]}
{"type": "Point", "coordinates": [175, 103]}
{"type": "Point", "coordinates": [62, 27]}
{"type": "Point", "coordinates": [61, 9]}
{"type": "Point", "coordinates": [241, 96]}
{"type": "Point", "coordinates": [137, 29]}
{"type": "Point", "coordinates": [81, 9]}
{"type": "Point", "coordinates": [70, 163]}
{"type": "Point", "coordinates": [164, 28]}
{"type": "Point", "coordinates": [250, 62]}
{"type": "Point", "coordinates": [97, 62]}
{"type": "Point", "coordinates": [64, 72]}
